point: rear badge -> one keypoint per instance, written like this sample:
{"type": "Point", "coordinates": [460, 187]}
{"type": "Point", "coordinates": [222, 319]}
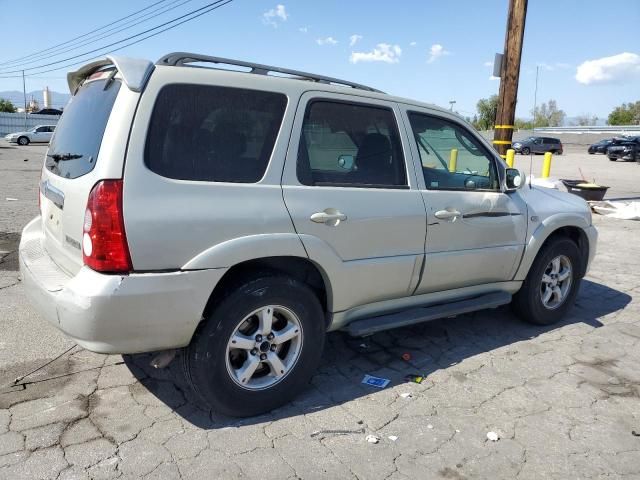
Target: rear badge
{"type": "Point", "coordinates": [72, 242]}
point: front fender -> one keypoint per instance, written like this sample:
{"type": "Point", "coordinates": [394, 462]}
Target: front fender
{"type": "Point", "coordinates": [542, 232]}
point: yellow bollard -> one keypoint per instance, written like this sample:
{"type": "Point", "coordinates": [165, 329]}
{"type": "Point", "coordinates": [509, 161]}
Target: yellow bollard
{"type": "Point", "coordinates": [453, 160]}
{"type": "Point", "coordinates": [546, 166]}
{"type": "Point", "coordinates": [511, 156]}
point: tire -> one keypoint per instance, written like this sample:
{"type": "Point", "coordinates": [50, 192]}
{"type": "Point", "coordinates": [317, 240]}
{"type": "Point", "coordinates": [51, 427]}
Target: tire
{"type": "Point", "coordinates": [612, 159]}
{"type": "Point", "coordinates": [23, 141]}
{"type": "Point", "coordinates": [528, 302]}
{"type": "Point", "coordinates": [526, 151]}
{"type": "Point", "coordinates": [214, 368]}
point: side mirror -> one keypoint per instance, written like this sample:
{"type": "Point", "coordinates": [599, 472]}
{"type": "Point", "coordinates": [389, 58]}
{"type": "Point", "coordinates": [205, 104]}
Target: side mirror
{"type": "Point", "coordinates": [346, 162]}
{"type": "Point", "coordinates": [513, 179]}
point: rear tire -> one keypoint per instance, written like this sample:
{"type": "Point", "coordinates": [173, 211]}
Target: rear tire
{"type": "Point", "coordinates": [24, 141]}
{"type": "Point", "coordinates": [611, 159]}
{"type": "Point", "coordinates": [551, 286]}
{"type": "Point", "coordinates": [526, 151]}
{"type": "Point", "coordinates": [240, 364]}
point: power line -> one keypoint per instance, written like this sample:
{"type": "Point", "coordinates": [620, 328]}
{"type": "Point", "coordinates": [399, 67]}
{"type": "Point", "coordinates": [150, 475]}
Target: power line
{"type": "Point", "coordinates": [84, 34]}
{"type": "Point", "coordinates": [209, 7]}
{"type": "Point", "coordinates": [106, 34]}
{"type": "Point", "coordinates": [216, 4]}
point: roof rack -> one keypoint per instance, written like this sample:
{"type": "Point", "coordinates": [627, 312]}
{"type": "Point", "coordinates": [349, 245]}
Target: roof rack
{"type": "Point", "coordinates": [178, 59]}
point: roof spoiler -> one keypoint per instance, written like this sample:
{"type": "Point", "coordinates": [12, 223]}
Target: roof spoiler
{"type": "Point", "coordinates": [135, 72]}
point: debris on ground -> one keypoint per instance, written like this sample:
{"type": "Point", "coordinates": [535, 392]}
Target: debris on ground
{"type": "Point", "coordinates": [635, 434]}
{"type": "Point", "coordinates": [11, 199]}
{"type": "Point", "coordinates": [336, 432]}
{"type": "Point", "coordinates": [414, 378]}
{"type": "Point", "coordinates": [406, 357]}
{"type": "Point", "coordinates": [493, 436]}
{"type": "Point", "coordinates": [393, 438]}
{"type": "Point", "coordinates": [406, 395]}
{"type": "Point", "coordinates": [372, 439]}
{"type": "Point", "coordinates": [375, 381]}
{"type": "Point", "coordinates": [430, 427]}
{"type": "Point", "coordinates": [619, 210]}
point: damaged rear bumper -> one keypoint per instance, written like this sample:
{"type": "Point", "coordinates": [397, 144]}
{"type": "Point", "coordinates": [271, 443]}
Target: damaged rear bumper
{"type": "Point", "coordinates": [115, 313]}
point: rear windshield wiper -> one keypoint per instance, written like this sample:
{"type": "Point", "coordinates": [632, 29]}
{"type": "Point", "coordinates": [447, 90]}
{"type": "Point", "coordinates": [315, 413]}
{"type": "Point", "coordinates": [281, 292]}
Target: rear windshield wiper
{"type": "Point", "coordinates": [56, 157]}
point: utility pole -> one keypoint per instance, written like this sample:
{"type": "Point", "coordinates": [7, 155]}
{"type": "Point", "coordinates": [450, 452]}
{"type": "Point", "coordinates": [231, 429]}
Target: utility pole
{"type": "Point", "coordinates": [24, 93]}
{"type": "Point", "coordinates": [509, 76]}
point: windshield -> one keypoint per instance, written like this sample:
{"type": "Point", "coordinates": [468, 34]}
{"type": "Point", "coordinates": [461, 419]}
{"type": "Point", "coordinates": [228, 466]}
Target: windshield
{"type": "Point", "coordinates": [74, 148]}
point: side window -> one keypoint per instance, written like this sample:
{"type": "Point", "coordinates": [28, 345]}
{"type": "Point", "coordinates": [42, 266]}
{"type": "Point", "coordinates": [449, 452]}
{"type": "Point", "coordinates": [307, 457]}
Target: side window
{"type": "Point", "coordinates": [352, 145]}
{"type": "Point", "coordinates": [452, 159]}
{"type": "Point", "coordinates": [41, 129]}
{"type": "Point", "coordinates": [215, 134]}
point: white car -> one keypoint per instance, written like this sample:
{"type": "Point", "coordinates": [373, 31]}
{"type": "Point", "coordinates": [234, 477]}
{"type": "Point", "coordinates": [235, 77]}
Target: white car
{"type": "Point", "coordinates": [38, 134]}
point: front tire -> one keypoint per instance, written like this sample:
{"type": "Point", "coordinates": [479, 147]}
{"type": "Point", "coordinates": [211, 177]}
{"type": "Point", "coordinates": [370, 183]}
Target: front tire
{"type": "Point", "coordinates": [24, 141]}
{"type": "Point", "coordinates": [612, 159]}
{"type": "Point", "coordinates": [551, 286]}
{"type": "Point", "coordinates": [526, 151]}
{"type": "Point", "coordinates": [258, 348]}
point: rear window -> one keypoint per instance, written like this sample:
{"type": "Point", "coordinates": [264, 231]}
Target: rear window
{"type": "Point", "coordinates": [74, 148]}
{"type": "Point", "coordinates": [215, 134]}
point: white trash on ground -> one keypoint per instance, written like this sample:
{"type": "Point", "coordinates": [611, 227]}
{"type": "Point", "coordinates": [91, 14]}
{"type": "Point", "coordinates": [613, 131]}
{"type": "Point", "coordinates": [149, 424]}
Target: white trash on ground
{"type": "Point", "coordinates": [621, 210]}
{"type": "Point", "coordinates": [372, 439]}
{"type": "Point", "coordinates": [493, 436]}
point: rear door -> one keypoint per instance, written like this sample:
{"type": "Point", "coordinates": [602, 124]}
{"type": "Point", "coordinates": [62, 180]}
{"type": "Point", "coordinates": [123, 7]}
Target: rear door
{"type": "Point", "coordinates": [78, 158]}
{"type": "Point", "coordinates": [352, 198]}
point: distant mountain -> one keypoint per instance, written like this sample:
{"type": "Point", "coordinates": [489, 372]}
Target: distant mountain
{"type": "Point", "coordinates": [58, 100]}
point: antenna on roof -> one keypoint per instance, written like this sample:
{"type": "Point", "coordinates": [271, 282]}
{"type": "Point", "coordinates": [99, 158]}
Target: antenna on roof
{"type": "Point", "coordinates": [535, 108]}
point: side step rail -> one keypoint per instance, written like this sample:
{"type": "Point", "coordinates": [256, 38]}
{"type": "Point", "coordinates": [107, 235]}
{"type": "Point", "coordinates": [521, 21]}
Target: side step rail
{"type": "Point", "coordinates": [369, 326]}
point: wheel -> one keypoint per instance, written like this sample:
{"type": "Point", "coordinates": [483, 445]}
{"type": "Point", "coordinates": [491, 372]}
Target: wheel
{"type": "Point", "coordinates": [552, 283]}
{"type": "Point", "coordinates": [258, 348]}
{"type": "Point", "coordinates": [526, 151]}
{"type": "Point", "coordinates": [612, 159]}
{"type": "Point", "coordinates": [23, 141]}
{"type": "Point", "coordinates": [591, 153]}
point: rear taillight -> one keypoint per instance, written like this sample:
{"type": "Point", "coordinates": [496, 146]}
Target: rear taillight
{"type": "Point", "coordinates": [104, 243]}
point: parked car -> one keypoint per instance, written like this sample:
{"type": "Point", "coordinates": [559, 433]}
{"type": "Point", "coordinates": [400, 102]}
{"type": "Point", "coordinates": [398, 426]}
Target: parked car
{"type": "Point", "coordinates": [601, 146]}
{"type": "Point", "coordinates": [38, 134]}
{"type": "Point", "coordinates": [626, 148]}
{"type": "Point", "coordinates": [538, 145]}
{"type": "Point", "coordinates": [48, 111]}
{"type": "Point", "coordinates": [254, 213]}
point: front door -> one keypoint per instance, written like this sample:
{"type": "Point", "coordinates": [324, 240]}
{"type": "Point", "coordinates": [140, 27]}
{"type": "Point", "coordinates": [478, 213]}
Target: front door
{"type": "Point", "coordinates": [475, 232]}
{"type": "Point", "coordinates": [353, 201]}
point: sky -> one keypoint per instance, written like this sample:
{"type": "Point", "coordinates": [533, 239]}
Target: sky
{"type": "Point", "coordinates": [587, 51]}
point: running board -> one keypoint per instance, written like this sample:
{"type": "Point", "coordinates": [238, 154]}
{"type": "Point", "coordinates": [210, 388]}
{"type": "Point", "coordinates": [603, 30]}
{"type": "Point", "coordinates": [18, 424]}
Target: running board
{"type": "Point", "coordinates": [369, 326]}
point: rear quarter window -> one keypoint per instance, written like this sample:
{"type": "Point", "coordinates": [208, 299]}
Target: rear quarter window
{"type": "Point", "coordinates": [74, 149]}
{"type": "Point", "coordinates": [214, 134]}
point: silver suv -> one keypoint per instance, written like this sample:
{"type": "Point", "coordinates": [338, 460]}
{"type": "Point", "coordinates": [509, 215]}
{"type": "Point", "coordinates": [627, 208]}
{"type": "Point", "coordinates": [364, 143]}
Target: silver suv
{"type": "Point", "coordinates": [244, 214]}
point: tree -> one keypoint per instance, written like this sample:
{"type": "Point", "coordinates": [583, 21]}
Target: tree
{"type": "Point", "coordinates": [548, 115]}
{"type": "Point", "coordinates": [586, 119]}
{"type": "Point", "coordinates": [487, 111]}
{"type": "Point", "coordinates": [521, 124]}
{"type": "Point", "coordinates": [625, 114]}
{"type": "Point", "coordinates": [7, 106]}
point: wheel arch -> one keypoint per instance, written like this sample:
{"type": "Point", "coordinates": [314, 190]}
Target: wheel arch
{"type": "Point", "coordinates": [568, 226]}
{"type": "Point", "coordinates": [299, 268]}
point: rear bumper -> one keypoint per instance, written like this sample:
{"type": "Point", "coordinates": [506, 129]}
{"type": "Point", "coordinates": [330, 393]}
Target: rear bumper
{"type": "Point", "coordinates": [115, 313]}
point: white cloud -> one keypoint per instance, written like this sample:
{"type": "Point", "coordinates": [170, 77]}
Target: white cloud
{"type": "Point", "coordinates": [303, 29]}
{"type": "Point", "coordinates": [563, 65]}
{"type": "Point", "coordinates": [488, 64]}
{"type": "Point", "coordinates": [326, 41]}
{"type": "Point", "coordinates": [353, 39]}
{"type": "Point", "coordinates": [382, 53]}
{"type": "Point", "coordinates": [413, 44]}
{"type": "Point", "coordinates": [491, 77]}
{"type": "Point", "coordinates": [275, 15]}
{"type": "Point", "coordinates": [615, 69]}
{"type": "Point", "coordinates": [436, 51]}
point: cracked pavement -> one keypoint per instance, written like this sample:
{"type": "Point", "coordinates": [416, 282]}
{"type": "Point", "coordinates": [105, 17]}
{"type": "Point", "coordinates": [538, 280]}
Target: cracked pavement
{"type": "Point", "coordinates": [563, 399]}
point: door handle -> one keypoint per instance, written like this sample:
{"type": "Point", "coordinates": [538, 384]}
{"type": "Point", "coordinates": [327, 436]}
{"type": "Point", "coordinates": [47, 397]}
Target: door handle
{"type": "Point", "coordinates": [330, 217]}
{"type": "Point", "coordinates": [447, 214]}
